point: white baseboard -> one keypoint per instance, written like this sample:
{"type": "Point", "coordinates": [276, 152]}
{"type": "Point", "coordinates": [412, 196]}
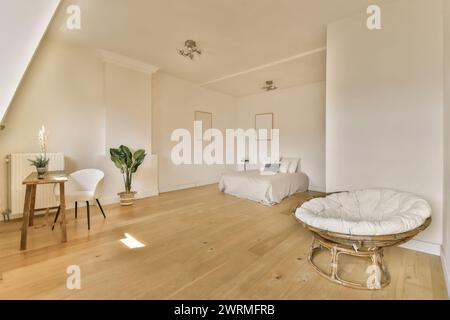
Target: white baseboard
{"type": "Point", "coordinates": [317, 189]}
{"type": "Point", "coordinates": [446, 270]}
{"type": "Point", "coordinates": [422, 246]}
{"type": "Point", "coordinates": [188, 185]}
{"type": "Point", "coordinates": [103, 201]}
{"type": "Point", "coordinates": [207, 182]}
{"type": "Point", "coordinates": [177, 187]}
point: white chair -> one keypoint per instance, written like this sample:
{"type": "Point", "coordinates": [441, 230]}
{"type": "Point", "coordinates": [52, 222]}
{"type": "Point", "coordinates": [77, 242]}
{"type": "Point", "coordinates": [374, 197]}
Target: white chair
{"type": "Point", "coordinates": [84, 185]}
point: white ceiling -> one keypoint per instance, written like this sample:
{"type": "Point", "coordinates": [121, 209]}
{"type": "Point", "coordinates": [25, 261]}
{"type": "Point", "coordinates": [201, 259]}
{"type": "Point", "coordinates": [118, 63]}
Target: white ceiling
{"type": "Point", "coordinates": [294, 72]}
{"type": "Point", "coordinates": [235, 36]}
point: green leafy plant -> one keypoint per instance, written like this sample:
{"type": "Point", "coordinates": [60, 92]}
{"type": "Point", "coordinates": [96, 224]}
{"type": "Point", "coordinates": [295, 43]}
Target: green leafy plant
{"type": "Point", "coordinates": [128, 162]}
{"type": "Point", "coordinates": [41, 161]}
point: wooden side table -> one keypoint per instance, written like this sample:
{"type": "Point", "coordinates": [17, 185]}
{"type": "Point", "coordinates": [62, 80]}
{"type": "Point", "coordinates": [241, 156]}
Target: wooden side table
{"type": "Point", "coordinates": [31, 182]}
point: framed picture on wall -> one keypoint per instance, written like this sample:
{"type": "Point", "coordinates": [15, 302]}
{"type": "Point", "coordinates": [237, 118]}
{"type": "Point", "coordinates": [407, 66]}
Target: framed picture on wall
{"type": "Point", "coordinates": [205, 118]}
{"type": "Point", "coordinates": [264, 121]}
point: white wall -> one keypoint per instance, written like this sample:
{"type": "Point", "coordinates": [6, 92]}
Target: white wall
{"type": "Point", "coordinates": [127, 95]}
{"type": "Point", "coordinates": [22, 25]}
{"type": "Point", "coordinates": [385, 104]}
{"type": "Point", "coordinates": [299, 113]}
{"type": "Point", "coordinates": [174, 103]}
{"type": "Point", "coordinates": [64, 89]}
{"type": "Point", "coordinates": [446, 243]}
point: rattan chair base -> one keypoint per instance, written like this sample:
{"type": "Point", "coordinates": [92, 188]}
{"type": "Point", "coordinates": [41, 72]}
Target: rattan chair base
{"type": "Point", "coordinates": [368, 247]}
{"type": "Point", "coordinates": [378, 278]}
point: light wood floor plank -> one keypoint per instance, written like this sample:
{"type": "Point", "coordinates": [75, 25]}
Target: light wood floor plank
{"type": "Point", "coordinates": [200, 244]}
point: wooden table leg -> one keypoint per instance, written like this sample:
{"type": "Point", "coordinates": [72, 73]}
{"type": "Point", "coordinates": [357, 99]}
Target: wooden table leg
{"type": "Point", "coordinates": [62, 202]}
{"type": "Point", "coordinates": [26, 210]}
{"type": "Point", "coordinates": [32, 204]}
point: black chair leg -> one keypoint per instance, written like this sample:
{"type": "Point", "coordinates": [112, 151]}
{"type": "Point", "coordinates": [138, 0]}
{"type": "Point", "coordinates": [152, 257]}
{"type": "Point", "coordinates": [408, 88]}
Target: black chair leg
{"type": "Point", "coordinates": [56, 217]}
{"type": "Point", "coordinates": [101, 209]}
{"type": "Point", "coordinates": [76, 209]}
{"type": "Point", "coordinates": [88, 215]}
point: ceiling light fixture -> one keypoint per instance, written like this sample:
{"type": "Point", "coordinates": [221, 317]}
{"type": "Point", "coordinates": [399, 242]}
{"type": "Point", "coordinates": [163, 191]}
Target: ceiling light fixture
{"type": "Point", "coordinates": [269, 86]}
{"type": "Point", "coordinates": [190, 49]}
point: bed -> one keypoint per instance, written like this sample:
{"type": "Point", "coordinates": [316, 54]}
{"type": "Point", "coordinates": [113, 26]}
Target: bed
{"type": "Point", "coordinates": [265, 189]}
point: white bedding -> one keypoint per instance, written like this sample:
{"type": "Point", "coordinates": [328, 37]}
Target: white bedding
{"type": "Point", "coordinates": [266, 189]}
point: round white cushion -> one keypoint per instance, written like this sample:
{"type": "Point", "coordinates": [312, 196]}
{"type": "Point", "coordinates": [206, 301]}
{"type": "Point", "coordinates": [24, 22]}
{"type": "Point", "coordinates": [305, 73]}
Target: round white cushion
{"type": "Point", "coordinates": [369, 212]}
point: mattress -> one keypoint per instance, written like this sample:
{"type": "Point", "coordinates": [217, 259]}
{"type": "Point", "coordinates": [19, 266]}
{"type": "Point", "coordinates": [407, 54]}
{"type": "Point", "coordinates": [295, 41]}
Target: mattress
{"type": "Point", "coordinates": [265, 189]}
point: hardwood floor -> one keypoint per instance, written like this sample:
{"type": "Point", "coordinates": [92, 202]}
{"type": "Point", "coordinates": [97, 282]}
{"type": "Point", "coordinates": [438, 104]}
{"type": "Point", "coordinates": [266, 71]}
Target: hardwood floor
{"type": "Point", "coordinates": [200, 244]}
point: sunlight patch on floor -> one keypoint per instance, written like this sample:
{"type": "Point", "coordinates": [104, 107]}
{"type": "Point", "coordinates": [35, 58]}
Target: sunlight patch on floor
{"type": "Point", "coordinates": [131, 242]}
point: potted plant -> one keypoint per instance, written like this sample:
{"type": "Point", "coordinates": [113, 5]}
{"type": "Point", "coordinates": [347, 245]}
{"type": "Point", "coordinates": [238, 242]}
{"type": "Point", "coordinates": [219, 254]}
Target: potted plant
{"type": "Point", "coordinates": [128, 162]}
{"type": "Point", "coordinates": [41, 161]}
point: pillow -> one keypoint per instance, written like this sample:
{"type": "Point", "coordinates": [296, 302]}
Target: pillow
{"type": "Point", "coordinates": [271, 167]}
{"type": "Point", "coordinates": [293, 165]}
{"type": "Point", "coordinates": [261, 167]}
{"type": "Point", "coordinates": [284, 166]}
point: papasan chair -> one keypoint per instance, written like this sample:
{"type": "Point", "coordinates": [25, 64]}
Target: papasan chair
{"type": "Point", "coordinates": [361, 224]}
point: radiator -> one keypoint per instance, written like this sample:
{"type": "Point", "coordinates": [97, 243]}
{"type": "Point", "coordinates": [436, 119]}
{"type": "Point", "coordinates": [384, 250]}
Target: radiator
{"type": "Point", "coordinates": [19, 168]}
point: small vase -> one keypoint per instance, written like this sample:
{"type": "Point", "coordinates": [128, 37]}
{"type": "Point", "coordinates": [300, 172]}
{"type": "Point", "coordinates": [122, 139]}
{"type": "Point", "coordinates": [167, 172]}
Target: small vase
{"type": "Point", "coordinates": [42, 172]}
{"type": "Point", "coordinates": [127, 198]}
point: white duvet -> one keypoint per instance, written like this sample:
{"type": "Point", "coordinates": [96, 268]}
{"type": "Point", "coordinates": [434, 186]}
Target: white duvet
{"type": "Point", "coordinates": [266, 189]}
